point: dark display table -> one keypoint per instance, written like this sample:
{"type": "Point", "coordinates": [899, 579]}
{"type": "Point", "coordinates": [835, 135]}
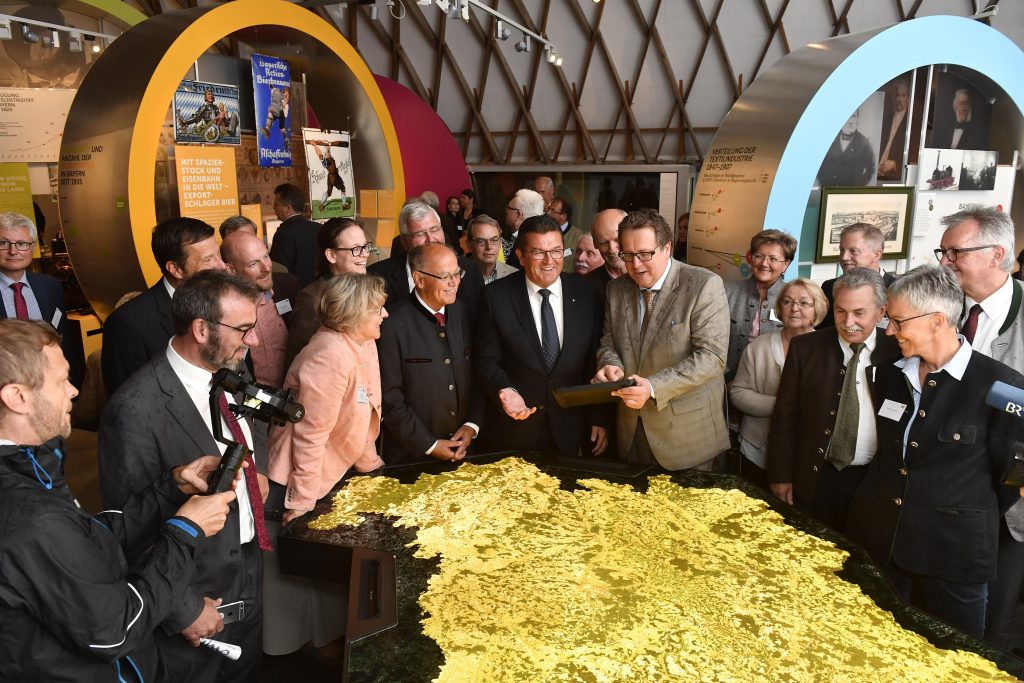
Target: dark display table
{"type": "Point", "coordinates": [713, 538]}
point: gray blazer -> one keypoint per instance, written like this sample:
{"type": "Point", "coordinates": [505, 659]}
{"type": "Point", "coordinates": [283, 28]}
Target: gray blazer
{"type": "Point", "coordinates": [1008, 348]}
{"type": "Point", "coordinates": [683, 356]}
{"type": "Point", "coordinates": [743, 299]}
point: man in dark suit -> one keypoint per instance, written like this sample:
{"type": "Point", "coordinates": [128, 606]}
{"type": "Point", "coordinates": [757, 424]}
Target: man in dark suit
{"type": "Point", "coordinates": [139, 330]}
{"type": "Point", "coordinates": [964, 131]}
{"type": "Point", "coordinates": [894, 131]}
{"type": "Point", "coordinates": [823, 429]}
{"type": "Point", "coordinates": [605, 229]}
{"type": "Point", "coordinates": [860, 246]}
{"type": "Point", "coordinates": [431, 408]}
{"type": "Point", "coordinates": [160, 418]}
{"type": "Point", "coordinates": [33, 296]}
{"type": "Point", "coordinates": [544, 338]}
{"type": "Point", "coordinates": [849, 161]}
{"type": "Point", "coordinates": [246, 256]}
{"type": "Point", "coordinates": [419, 224]}
{"type": "Point", "coordinates": [294, 244]}
{"type": "Point", "coordinates": [930, 506]}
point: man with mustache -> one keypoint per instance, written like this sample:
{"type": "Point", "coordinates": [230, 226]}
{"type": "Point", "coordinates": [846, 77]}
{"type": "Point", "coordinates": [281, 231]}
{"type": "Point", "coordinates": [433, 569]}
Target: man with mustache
{"type": "Point", "coordinates": [823, 429]}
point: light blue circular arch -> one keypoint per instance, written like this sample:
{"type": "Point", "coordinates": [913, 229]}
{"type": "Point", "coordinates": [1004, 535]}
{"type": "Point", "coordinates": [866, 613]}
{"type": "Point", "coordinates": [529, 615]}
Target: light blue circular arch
{"type": "Point", "coordinates": [888, 54]}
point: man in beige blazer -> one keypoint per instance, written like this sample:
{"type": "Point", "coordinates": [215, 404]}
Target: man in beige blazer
{"type": "Point", "coordinates": [675, 351]}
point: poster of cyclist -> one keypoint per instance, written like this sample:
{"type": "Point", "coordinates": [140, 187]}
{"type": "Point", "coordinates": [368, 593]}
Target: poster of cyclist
{"type": "Point", "coordinates": [206, 112]}
{"type": "Point", "coordinates": [331, 186]}
{"type": "Point", "coordinates": [271, 85]}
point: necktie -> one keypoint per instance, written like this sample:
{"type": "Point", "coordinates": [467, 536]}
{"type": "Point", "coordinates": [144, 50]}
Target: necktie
{"type": "Point", "coordinates": [649, 295]}
{"type": "Point", "coordinates": [970, 327]}
{"type": "Point", "coordinates": [439, 317]}
{"type": "Point", "coordinates": [252, 484]}
{"type": "Point", "coordinates": [20, 305]}
{"type": "Point", "coordinates": [548, 331]}
{"type": "Point", "coordinates": [844, 437]}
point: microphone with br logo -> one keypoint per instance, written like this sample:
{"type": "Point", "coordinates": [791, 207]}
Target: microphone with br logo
{"type": "Point", "coordinates": [1010, 399]}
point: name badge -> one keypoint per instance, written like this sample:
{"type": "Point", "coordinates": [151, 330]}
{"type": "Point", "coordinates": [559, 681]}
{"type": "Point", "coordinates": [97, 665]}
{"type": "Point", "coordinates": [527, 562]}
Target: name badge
{"type": "Point", "coordinates": [361, 396]}
{"type": "Point", "coordinates": [57, 315]}
{"type": "Point", "coordinates": [284, 306]}
{"type": "Point", "coordinates": [892, 410]}
{"type": "Point", "coordinates": [567, 253]}
{"type": "Point", "coordinates": [771, 316]}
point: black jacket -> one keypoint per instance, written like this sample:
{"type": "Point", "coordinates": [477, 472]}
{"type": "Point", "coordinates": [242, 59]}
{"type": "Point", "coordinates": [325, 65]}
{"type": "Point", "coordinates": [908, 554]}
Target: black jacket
{"type": "Point", "coordinates": [70, 607]}
{"type": "Point", "coordinates": [294, 247]}
{"type": "Point", "coordinates": [134, 333]}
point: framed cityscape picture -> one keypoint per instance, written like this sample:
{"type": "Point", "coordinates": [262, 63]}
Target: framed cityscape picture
{"type": "Point", "coordinates": [890, 209]}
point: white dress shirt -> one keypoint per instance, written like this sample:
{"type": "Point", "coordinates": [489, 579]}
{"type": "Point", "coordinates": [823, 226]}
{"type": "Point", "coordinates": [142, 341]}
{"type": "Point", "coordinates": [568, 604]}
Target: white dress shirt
{"type": "Point", "coordinates": [168, 287]}
{"type": "Point", "coordinates": [197, 385]}
{"type": "Point", "coordinates": [994, 310]}
{"type": "Point", "coordinates": [31, 304]}
{"type": "Point", "coordinates": [533, 294]}
{"type": "Point", "coordinates": [867, 435]}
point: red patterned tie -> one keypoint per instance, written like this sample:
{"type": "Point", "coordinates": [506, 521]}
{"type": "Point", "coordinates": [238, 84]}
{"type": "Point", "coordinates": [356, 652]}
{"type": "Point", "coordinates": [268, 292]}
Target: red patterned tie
{"type": "Point", "coordinates": [20, 306]}
{"type": "Point", "coordinates": [439, 317]}
{"type": "Point", "coordinates": [252, 484]}
{"type": "Point", "coordinates": [970, 327]}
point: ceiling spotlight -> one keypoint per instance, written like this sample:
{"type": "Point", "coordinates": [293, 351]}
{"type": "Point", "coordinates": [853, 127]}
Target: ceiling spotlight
{"type": "Point", "coordinates": [28, 34]}
{"type": "Point", "coordinates": [558, 61]}
{"type": "Point", "coordinates": [96, 48]}
{"type": "Point", "coordinates": [75, 41]}
{"type": "Point", "coordinates": [54, 40]}
{"type": "Point", "coordinates": [5, 29]}
{"type": "Point", "coordinates": [501, 32]}
{"type": "Point", "coordinates": [552, 55]}
{"type": "Point", "coordinates": [524, 44]}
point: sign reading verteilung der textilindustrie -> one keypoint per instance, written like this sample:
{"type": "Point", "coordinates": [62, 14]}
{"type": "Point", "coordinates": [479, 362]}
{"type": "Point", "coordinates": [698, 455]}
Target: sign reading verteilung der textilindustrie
{"type": "Point", "coordinates": [762, 164]}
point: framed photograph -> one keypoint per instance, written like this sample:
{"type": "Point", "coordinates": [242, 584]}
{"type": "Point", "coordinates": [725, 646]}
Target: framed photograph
{"type": "Point", "coordinates": [890, 209]}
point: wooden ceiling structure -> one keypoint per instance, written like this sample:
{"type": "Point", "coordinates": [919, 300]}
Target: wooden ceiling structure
{"type": "Point", "coordinates": [642, 81]}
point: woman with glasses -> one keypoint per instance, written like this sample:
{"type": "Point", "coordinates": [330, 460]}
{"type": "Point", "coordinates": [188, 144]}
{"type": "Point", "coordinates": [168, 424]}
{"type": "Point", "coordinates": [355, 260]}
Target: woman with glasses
{"type": "Point", "coordinates": [752, 301]}
{"type": "Point", "coordinates": [343, 248]}
{"type": "Point", "coordinates": [801, 305]}
{"type": "Point", "coordinates": [337, 380]}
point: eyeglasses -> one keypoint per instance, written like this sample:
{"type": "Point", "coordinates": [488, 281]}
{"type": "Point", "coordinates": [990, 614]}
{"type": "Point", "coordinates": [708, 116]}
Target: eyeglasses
{"type": "Point", "coordinates": [20, 246]}
{"type": "Point", "coordinates": [457, 275]}
{"type": "Point", "coordinates": [953, 253]}
{"type": "Point", "coordinates": [801, 303]}
{"type": "Point", "coordinates": [538, 255]}
{"type": "Point", "coordinates": [244, 330]}
{"type": "Point", "coordinates": [358, 250]}
{"type": "Point", "coordinates": [629, 256]}
{"type": "Point", "coordinates": [900, 323]}
{"type": "Point", "coordinates": [422, 234]}
{"type": "Point", "coordinates": [552, 210]}
{"type": "Point", "coordinates": [760, 258]}
{"type": "Point", "coordinates": [512, 208]}
{"type": "Point", "coordinates": [484, 241]}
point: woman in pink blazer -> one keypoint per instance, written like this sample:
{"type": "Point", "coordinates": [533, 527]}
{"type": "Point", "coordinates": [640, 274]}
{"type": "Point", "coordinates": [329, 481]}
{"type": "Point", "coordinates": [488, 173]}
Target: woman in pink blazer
{"type": "Point", "coordinates": [336, 378]}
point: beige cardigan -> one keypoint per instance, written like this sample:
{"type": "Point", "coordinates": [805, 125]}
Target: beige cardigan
{"type": "Point", "coordinates": [753, 391]}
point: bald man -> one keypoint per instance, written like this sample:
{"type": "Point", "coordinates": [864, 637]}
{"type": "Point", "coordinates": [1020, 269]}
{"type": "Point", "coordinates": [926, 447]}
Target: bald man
{"type": "Point", "coordinates": [545, 187]}
{"type": "Point", "coordinates": [247, 256]}
{"type": "Point", "coordinates": [605, 231]}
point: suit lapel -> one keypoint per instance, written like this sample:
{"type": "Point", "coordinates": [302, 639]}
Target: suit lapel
{"type": "Point", "coordinates": [181, 408]}
{"type": "Point", "coordinates": [399, 280]}
{"type": "Point", "coordinates": [163, 306]}
{"type": "Point", "coordinates": [574, 319]}
{"type": "Point", "coordinates": [662, 306]}
{"type": "Point", "coordinates": [524, 314]}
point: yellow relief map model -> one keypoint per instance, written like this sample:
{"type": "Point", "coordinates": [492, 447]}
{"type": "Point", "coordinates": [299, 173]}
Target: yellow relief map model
{"type": "Point", "coordinates": [608, 584]}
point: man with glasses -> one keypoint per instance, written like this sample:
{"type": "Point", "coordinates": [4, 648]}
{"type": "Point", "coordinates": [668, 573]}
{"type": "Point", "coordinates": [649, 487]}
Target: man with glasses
{"type": "Point", "coordinates": [419, 224]}
{"type": "Point", "coordinates": [32, 296]}
{"type": "Point", "coordinates": [929, 508]}
{"type": "Point", "coordinates": [138, 331]}
{"type": "Point", "coordinates": [161, 419]}
{"type": "Point", "coordinates": [538, 330]}
{"type": "Point", "coordinates": [667, 328]}
{"type": "Point", "coordinates": [823, 429]}
{"type": "Point", "coordinates": [860, 246]}
{"type": "Point", "coordinates": [524, 204]}
{"type": "Point", "coordinates": [978, 247]}
{"type": "Point", "coordinates": [484, 237]}
{"type": "Point", "coordinates": [431, 409]}
{"type": "Point", "coordinates": [560, 209]}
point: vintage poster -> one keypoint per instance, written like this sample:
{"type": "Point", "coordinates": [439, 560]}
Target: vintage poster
{"type": "Point", "coordinates": [206, 112]}
{"type": "Point", "coordinates": [271, 84]}
{"type": "Point", "coordinates": [331, 186]}
{"type": "Point", "coordinates": [207, 188]}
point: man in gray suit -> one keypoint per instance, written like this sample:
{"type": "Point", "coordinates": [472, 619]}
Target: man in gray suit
{"type": "Point", "coordinates": [160, 418]}
{"type": "Point", "coordinates": [978, 246]}
{"type": "Point", "coordinates": [666, 327]}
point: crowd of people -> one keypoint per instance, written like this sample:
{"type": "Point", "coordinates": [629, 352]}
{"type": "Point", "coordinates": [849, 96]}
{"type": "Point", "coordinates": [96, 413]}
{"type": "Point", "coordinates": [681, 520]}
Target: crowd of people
{"type": "Point", "coordinates": [860, 402]}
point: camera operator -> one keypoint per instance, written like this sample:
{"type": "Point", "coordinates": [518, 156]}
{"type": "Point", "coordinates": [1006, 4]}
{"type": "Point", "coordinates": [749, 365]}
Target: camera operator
{"type": "Point", "coordinates": [70, 609]}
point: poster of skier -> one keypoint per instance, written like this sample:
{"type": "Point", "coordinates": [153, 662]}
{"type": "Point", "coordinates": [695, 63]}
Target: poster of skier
{"type": "Point", "coordinates": [271, 84]}
{"type": "Point", "coordinates": [331, 185]}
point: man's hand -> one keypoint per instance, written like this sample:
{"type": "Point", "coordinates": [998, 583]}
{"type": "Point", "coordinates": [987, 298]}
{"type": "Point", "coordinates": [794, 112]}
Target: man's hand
{"type": "Point", "coordinates": [887, 166]}
{"type": "Point", "coordinates": [192, 478]}
{"type": "Point", "coordinates": [636, 396]}
{"type": "Point", "coordinates": [207, 512]}
{"type": "Point", "coordinates": [783, 492]}
{"type": "Point", "coordinates": [208, 624]}
{"type": "Point", "coordinates": [599, 437]}
{"type": "Point", "coordinates": [464, 435]}
{"type": "Point", "coordinates": [514, 405]}
{"type": "Point", "coordinates": [289, 515]}
{"type": "Point", "coordinates": [608, 373]}
{"type": "Point", "coordinates": [446, 449]}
